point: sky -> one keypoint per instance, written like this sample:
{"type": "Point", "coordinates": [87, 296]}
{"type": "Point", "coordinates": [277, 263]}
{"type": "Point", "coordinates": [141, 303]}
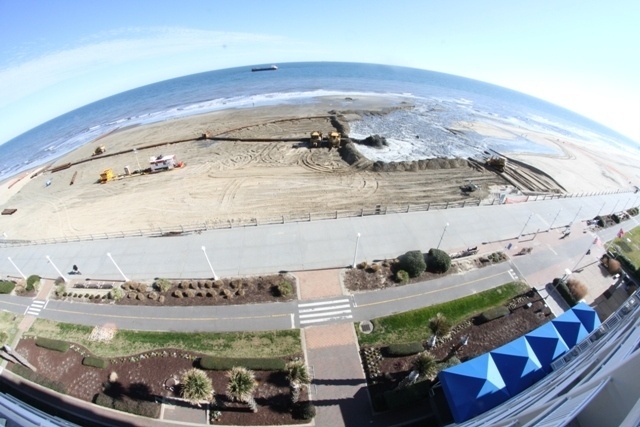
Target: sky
{"type": "Point", "coordinates": [58, 55]}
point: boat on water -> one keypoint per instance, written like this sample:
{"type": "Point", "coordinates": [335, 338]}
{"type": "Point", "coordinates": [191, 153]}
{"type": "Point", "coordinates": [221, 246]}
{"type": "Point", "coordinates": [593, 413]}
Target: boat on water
{"type": "Point", "coordinates": [270, 68]}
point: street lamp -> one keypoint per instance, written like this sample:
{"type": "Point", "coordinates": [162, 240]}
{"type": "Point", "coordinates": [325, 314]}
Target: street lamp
{"type": "Point", "coordinates": [135, 151]}
{"type": "Point", "coordinates": [585, 254]}
{"type": "Point", "coordinates": [56, 268]}
{"type": "Point", "coordinates": [525, 225]}
{"type": "Point", "coordinates": [12, 263]}
{"type": "Point", "coordinates": [575, 217]}
{"type": "Point", "coordinates": [614, 207]}
{"type": "Point", "coordinates": [442, 236]}
{"type": "Point", "coordinates": [554, 219]}
{"type": "Point", "coordinates": [204, 250]}
{"type": "Point", "coordinates": [114, 263]}
{"type": "Point", "coordinates": [355, 252]}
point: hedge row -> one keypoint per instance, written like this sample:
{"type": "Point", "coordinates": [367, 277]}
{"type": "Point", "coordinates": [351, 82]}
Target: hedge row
{"type": "Point", "coordinates": [124, 404]}
{"type": "Point", "coordinates": [493, 313]}
{"type": "Point", "coordinates": [57, 345]}
{"type": "Point", "coordinates": [6, 287]}
{"type": "Point", "coordinates": [95, 362]}
{"type": "Point", "coordinates": [407, 396]}
{"type": "Point", "coordinates": [564, 292]}
{"type": "Point", "coordinates": [35, 377]}
{"type": "Point", "coordinates": [257, 364]}
{"type": "Point", "coordinates": [405, 349]}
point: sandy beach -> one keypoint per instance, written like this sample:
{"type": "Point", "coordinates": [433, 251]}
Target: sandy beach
{"type": "Point", "coordinates": [233, 181]}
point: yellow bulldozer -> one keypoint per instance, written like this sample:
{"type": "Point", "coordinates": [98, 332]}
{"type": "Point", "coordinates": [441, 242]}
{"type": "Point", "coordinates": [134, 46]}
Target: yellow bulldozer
{"type": "Point", "coordinates": [316, 139]}
{"type": "Point", "coordinates": [334, 139]}
{"type": "Point", "coordinates": [106, 176]}
{"type": "Point", "coordinates": [497, 163]}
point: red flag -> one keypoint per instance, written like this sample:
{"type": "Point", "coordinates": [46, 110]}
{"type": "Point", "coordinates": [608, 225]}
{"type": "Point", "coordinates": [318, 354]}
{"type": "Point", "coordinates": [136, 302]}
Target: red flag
{"type": "Point", "coordinates": [620, 233]}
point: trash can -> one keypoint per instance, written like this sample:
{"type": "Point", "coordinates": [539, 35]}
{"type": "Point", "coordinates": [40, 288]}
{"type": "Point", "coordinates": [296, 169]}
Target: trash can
{"type": "Point", "coordinates": [127, 170]}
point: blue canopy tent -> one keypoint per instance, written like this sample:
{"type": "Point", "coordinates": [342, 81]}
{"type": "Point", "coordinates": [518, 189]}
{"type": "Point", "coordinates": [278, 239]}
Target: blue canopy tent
{"type": "Point", "coordinates": [547, 344]}
{"type": "Point", "coordinates": [570, 328]}
{"type": "Point", "coordinates": [473, 387]}
{"type": "Point", "coordinates": [518, 365]}
{"type": "Point", "coordinates": [587, 316]}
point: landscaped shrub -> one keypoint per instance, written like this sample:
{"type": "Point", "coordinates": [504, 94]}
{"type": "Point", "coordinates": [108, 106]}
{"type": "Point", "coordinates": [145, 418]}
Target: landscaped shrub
{"type": "Point", "coordinates": [405, 349]}
{"type": "Point", "coordinates": [225, 363]}
{"type": "Point", "coordinates": [402, 276]}
{"type": "Point", "coordinates": [95, 362]}
{"type": "Point", "coordinates": [57, 345]}
{"type": "Point", "coordinates": [60, 290]}
{"type": "Point", "coordinates": [28, 374]}
{"type": "Point", "coordinates": [407, 396]}
{"type": "Point", "coordinates": [116, 294]}
{"type": "Point", "coordinates": [163, 285]}
{"type": "Point", "coordinates": [438, 261]}
{"type": "Point", "coordinates": [493, 313]}
{"type": "Point", "coordinates": [426, 365]}
{"type": "Point", "coordinates": [564, 292]}
{"type": "Point", "coordinates": [284, 289]}
{"type": "Point", "coordinates": [439, 325]}
{"type": "Point", "coordinates": [32, 282]}
{"type": "Point", "coordinates": [633, 211]}
{"type": "Point", "coordinates": [578, 289]}
{"type": "Point", "coordinates": [6, 287]}
{"type": "Point", "coordinates": [125, 404]}
{"type": "Point", "coordinates": [304, 411]}
{"type": "Point", "coordinates": [614, 266]}
{"type": "Point", "coordinates": [413, 263]}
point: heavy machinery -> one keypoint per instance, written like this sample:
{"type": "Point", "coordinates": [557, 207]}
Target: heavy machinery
{"type": "Point", "coordinates": [334, 139]}
{"type": "Point", "coordinates": [106, 176]}
{"type": "Point", "coordinates": [497, 163]}
{"type": "Point", "coordinates": [100, 149]}
{"type": "Point", "coordinates": [468, 188]}
{"type": "Point", "coordinates": [316, 139]}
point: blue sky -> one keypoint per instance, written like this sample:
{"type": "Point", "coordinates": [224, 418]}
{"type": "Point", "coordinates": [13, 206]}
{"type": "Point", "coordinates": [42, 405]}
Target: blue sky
{"type": "Point", "coordinates": [57, 55]}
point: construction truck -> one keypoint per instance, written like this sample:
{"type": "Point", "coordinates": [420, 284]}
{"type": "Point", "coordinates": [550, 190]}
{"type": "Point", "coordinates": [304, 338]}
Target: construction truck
{"type": "Point", "coordinates": [106, 176]}
{"type": "Point", "coordinates": [468, 187]}
{"type": "Point", "coordinates": [161, 163]}
{"type": "Point", "coordinates": [316, 139]}
{"type": "Point", "coordinates": [497, 163]}
{"type": "Point", "coordinates": [334, 139]}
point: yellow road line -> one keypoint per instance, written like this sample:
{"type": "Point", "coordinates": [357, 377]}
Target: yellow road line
{"type": "Point", "coordinates": [191, 319]}
{"type": "Point", "coordinates": [432, 291]}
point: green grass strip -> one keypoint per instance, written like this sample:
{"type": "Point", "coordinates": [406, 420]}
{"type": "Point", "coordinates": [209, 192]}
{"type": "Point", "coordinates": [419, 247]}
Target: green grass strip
{"type": "Point", "coordinates": [413, 325]}
{"type": "Point", "coordinates": [126, 342]}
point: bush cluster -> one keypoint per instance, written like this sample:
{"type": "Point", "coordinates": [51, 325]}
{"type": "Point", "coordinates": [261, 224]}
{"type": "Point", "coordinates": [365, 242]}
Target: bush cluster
{"type": "Point", "coordinates": [578, 289]}
{"type": "Point", "coordinates": [405, 349]}
{"type": "Point", "coordinates": [564, 292]}
{"type": "Point", "coordinates": [284, 289]}
{"type": "Point", "coordinates": [304, 411]}
{"type": "Point", "coordinates": [407, 396]}
{"type": "Point", "coordinates": [162, 285]}
{"type": "Point", "coordinates": [32, 282]}
{"type": "Point", "coordinates": [438, 261]}
{"type": "Point", "coordinates": [95, 362]}
{"type": "Point", "coordinates": [493, 313]}
{"type": "Point", "coordinates": [57, 345]}
{"type": "Point", "coordinates": [6, 287]}
{"type": "Point", "coordinates": [225, 363]}
{"type": "Point", "coordinates": [125, 404]}
{"type": "Point", "coordinates": [402, 276]}
{"type": "Point", "coordinates": [633, 211]}
{"type": "Point", "coordinates": [413, 263]}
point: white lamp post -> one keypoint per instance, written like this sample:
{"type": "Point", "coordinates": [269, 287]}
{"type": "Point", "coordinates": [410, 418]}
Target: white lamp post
{"type": "Point", "coordinates": [575, 217]}
{"type": "Point", "coordinates": [56, 268]}
{"type": "Point", "coordinates": [204, 250]}
{"type": "Point", "coordinates": [135, 151]}
{"type": "Point", "coordinates": [355, 252]}
{"type": "Point", "coordinates": [114, 263]}
{"type": "Point", "coordinates": [16, 267]}
{"type": "Point", "coordinates": [442, 236]}
{"type": "Point", "coordinates": [554, 219]}
{"type": "Point", "coordinates": [525, 225]}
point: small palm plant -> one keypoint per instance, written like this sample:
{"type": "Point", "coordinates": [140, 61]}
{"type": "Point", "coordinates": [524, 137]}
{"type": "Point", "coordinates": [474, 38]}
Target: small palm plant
{"type": "Point", "coordinates": [242, 384]}
{"type": "Point", "coordinates": [439, 325]}
{"type": "Point", "coordinates": [298, 376]}
{"type": "Point", "coordinates": [196, 386]}
{"type": "Point", "coordinates": [426, 365]}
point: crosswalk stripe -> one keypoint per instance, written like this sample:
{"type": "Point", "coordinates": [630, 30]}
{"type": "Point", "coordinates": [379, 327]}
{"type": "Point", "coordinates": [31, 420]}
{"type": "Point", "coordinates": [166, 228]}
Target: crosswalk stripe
{"type": "Point", "coordinates": [324, 311]}
{"type": "Point", "coordinates": [36, 307]}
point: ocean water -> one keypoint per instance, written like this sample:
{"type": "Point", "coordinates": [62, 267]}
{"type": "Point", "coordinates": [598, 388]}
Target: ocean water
{"type": "Point", "coordinates": [440, 100]}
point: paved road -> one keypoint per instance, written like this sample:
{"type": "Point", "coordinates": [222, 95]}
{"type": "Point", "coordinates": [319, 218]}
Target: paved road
{"type": "Point", "coordinates": [313, 245]}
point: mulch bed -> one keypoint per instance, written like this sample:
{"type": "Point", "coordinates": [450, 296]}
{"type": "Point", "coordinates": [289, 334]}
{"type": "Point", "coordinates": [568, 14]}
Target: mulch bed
{"type": "Point", "coordinates": [145, 377]}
